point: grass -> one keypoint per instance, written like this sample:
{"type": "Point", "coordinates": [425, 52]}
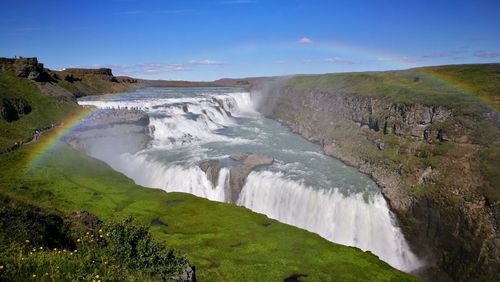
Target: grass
{"type": "Point", "coordinates": [224, 242]}
{"type": "Point", "coordinates": [44, 109]}
{"type": "Point", "coordinates": [465, 87]}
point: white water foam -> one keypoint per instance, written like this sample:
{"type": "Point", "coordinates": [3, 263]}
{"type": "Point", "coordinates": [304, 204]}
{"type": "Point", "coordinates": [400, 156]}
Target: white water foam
{"type": "Point", "coordinates": [348, 220]}
{"type": "Point", "coordinates": [344, 219]}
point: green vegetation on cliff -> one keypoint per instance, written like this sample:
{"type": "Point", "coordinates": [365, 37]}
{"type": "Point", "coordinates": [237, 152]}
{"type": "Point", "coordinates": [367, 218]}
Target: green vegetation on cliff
{"type": "Point", "coordinates": [224, 242]}
{"type": "Point", "coordinates": [459, 86]}
{"type": "Point", "coordinates": [429, 137]}
{"type": "Point", "coordinates": [44, 109]}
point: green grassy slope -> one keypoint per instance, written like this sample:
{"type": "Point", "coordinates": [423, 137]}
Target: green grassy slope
{"type": "Point", "coordinates": [44, 109]}
{"type": "Point", "coordinates": [461, 86]}
{"type": "Point", "coordinates": [224, 241]}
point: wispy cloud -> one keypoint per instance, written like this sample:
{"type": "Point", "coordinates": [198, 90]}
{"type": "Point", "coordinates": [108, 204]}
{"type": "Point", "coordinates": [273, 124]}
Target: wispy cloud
{"type": "Point", "coordinates": [205, 62]}
{"type": "Point", "coordinates": [405, 59]}
{"type": "Point", "coordinates": [307, 61]}
{"type": "Point", "coordinates": [487, 54]}
{"type": "Point", "coordinates": [304, 40]}
{"type": "Point", "coordinates": [155, 68]}
{"type": "Point", "coordinates": [338, 60]}
{"type": "Point", "coordinates": [453, 53]}
{"type": "Point", "coordinates": [475, 38]}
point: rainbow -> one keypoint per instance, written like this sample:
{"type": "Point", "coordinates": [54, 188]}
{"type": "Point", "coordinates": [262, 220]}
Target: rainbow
{"type": "Point", "coordinates": [334, 48]}
{"type": "Point", "coordinates": [353, 54]}
{"type": "Point", "coordinates": [55, 136]}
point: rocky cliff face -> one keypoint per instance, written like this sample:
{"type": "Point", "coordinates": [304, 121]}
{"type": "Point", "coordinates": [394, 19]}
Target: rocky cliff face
{"type": "Point", "coordinates": [26, 67]}
{"type": "Point", "coordinates": [240, 165]}
{"type": "Point", "coordinates": [12, 109]}
{"type": "Point", "coordinates": [426, 160]}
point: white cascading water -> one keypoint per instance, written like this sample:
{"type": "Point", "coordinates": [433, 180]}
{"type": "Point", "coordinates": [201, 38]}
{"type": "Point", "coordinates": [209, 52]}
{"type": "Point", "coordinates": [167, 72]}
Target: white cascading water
{"type": "Point", "coordinates": [303, 188]}
{"type": "Point", "coordinates": [348, 220]}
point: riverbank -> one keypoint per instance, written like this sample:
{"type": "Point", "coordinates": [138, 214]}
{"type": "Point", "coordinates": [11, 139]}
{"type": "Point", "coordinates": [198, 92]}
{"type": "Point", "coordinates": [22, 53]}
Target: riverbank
{"type": "Point", "coordinates": [224, 242]}
{"type": "Point", "coordinates": [430, 147]}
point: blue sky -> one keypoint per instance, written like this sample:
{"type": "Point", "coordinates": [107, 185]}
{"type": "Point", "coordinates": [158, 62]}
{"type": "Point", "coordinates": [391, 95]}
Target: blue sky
{"type": "Point", "coordinates": [206, 40]}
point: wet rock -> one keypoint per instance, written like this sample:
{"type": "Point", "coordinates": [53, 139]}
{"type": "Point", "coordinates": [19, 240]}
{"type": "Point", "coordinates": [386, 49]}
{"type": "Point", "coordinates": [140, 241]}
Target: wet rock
{"type": "Point", "coordinates": [239, 172]}
{"type": "Point", "coordinates": [211, 169]}
{"type": "Point", "coordinates": [447, 221]}
{"type": "Point", "coordinates": [240, 165]}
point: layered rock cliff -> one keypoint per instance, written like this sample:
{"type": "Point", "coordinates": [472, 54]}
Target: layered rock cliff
{"type": "Point", "coordinates": [430, 161]}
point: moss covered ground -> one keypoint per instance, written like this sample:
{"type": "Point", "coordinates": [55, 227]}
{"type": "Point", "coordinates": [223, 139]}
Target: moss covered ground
{"type": "Point", "coordinates": [223, 241]}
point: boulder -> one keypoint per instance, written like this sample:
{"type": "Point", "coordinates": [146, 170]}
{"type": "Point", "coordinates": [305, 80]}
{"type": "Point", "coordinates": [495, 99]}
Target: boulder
{"type": "Point", "coordinates": [211, 169]}
{"type": "Point", "coordinates": [240, 165]}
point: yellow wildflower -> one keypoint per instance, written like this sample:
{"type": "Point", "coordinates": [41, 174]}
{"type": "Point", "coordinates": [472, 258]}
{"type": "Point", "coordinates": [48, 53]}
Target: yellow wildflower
{"type": "Point", "coordinates": [71, 253]}
{"type": "Point", "coordinates": [78, 240]}
{"type": "Point", "coordinates": [76, 251]}
{"type": "Point", "coordinates": [31, 253]}
{"type": "Point", "coordinates": [34, 275]}
{"type": "Point", "coordinates": [41, 248]}
{"type": "Point", "coordinates": [1, 266]}
{"type": "Point", "coordinates": [97, 276]}
{"type": "Point", "coordinates": [46, 273]}
{"type": "Point", "coordinates": [27, 241]}
{"type": "Point", "coordinates": [101, 236]}
{"type": "Point", "coordinates": [55, 249]}
{"type": "Point", "coordinates": [100, 230]}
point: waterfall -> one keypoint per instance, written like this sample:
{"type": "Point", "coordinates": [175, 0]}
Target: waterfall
{"type": "Point", "coordinates": [349, 220]}
{"type": "Point", "coordinates": [189, 127]}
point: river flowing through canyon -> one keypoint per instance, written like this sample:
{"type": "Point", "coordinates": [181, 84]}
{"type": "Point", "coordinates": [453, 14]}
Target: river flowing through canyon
{"type": "Point", "coordinates": [302, 187]}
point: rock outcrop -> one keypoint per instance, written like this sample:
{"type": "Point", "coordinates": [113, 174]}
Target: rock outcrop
{"type": "Point", "coordinates": [240, 165]}
{"type": "Point", "coordinates": [12, 109]}
{"type": "Point", "coordinates": [426, 159]}
{"type": "Point", "coordinates": [26, 67]}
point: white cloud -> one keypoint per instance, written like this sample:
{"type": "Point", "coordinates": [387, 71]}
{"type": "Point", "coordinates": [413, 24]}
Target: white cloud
{"type": "Point", "coordinates": [304, 40]}
{"type": "Point", "coordinates": [487, 54]}
{"type": "Point", "coordinates": [149, 68]}
{"type": "Point", "coordinates": [338, 60]}
{"type": "Point", "coordinates": [205, 62]}
{"type": "Point", "coordinates": [405, 59]}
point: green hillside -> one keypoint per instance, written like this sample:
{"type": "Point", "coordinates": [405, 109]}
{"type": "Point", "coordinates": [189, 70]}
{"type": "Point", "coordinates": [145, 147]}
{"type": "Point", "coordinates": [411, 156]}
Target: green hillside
{"type": "Point", "coordinates": [223, 241]}
{"type": "Point", "coordinates": [460, 86]}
